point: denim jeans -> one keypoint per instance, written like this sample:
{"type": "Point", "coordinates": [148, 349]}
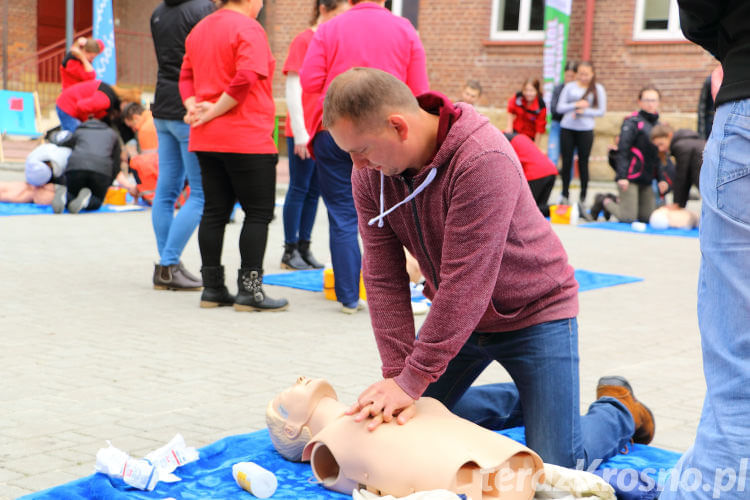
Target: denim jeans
{"type": "Point", "coordinates": [301, 202]}
{"type": "Point", "coordinates": [719, 457]}
{"type": "Point", "coordinates": [543, 362]}
{"type": "Point", "coordinates": [335, 181]}
{"type": "Point", "coordinates": [553, 142]}
{"type": "Point", "coordinates": [175, 161]}
{"type": "Point", "coordinates": [67, 122]}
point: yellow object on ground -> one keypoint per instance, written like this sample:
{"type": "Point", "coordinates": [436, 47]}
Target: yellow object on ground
{"type": "Point", "coordinates": [329, 281]}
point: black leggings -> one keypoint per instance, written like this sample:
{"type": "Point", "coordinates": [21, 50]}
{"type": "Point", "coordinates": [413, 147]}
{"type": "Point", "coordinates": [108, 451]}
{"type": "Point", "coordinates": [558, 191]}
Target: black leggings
{"type": "Point", "coordinates": [98, 183]}
{"type": "Point", "coordinates": [540, 190]}
{"type": "Point", "coordinates": [570, 141]}
{"type": "Point", "coordinates": [249, 179]}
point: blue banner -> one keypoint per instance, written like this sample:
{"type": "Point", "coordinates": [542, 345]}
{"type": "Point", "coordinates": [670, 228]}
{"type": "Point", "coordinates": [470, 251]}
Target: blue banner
{"type": "Point", "coordinates": [105, 63]}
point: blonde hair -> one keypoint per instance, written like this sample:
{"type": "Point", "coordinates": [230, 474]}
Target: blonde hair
{"type": "Point", "coordinates": [365, 96]}
{"type": "Point", "coordinates": [128, 94]}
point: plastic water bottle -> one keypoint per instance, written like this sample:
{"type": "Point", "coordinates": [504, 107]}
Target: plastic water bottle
{"type": "Point", "coordinates": [254, 479]}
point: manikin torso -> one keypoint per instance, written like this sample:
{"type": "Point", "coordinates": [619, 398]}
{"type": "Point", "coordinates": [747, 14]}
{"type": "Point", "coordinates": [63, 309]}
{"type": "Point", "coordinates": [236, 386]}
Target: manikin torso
{"type": "Point", "coordinates": [434, 450]}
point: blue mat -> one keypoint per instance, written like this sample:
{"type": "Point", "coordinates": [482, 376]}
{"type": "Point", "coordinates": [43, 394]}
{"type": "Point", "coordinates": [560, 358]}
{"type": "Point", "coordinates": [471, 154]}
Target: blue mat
{"type": "Point", "coordinates": [211, 476]}
{"type": "Point", "coordinates": [627, 228]}
{"type": "Point", "coordinates": [313, 280]}
{"type": "Point", "coordinates": [7, 209]}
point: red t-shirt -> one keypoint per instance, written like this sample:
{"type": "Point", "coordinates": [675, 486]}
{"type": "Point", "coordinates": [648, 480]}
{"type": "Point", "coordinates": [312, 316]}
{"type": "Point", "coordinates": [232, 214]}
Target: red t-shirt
{"type": "Point", "coordinates": [219, 46]}
{"type": "Point", "coordinates": [535, 163]}
{"type": "Point", "coordinates": [294, 59]}
{"type": "Point", "coordinates": [72, 72]}
{"type": "Point", "coordinates": [531, 117]}
{"type": "Point", "coordinates": [84, 99]}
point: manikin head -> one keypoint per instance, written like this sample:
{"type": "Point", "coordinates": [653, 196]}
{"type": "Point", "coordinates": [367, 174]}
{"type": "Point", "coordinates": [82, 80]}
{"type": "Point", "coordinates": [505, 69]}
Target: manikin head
{"type": "Point", "coordinates": [373, 116]}
{"type": "Point", "coordinates": [288, 415]}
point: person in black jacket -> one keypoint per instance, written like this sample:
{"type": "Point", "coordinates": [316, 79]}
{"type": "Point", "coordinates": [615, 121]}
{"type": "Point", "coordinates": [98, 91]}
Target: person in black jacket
{"type": "Point", "coordinates": [687, 148]}
{"type": "Point", "coordinates": [92, 166]}
{"type": "Point", "coordinates": [171, 22]}
{"type": "Point", "coordinates": [637, 163]}
{"type": "Point", "coordinates": [719, 456]}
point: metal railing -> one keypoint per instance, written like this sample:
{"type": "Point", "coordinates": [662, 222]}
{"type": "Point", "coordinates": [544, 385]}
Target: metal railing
{"type": "Point", "coordinates": [136, 66]}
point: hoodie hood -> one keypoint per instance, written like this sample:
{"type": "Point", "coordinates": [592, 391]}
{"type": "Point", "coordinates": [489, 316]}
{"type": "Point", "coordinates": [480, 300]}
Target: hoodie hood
{"type": "Point", "coordinates": [436, 104]}
{"type": "Point", "coordinates": [453, 131]}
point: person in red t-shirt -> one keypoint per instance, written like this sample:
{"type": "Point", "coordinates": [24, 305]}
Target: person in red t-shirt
{"type": "Point", "coordinates": [539, 170]}
{"type": "Point", "coordinates": [80, 101]}
{"type": "Point", "coordinates": [527, 113]}
{"type": "Point", "coordinates": [301, 201]}
{"type": "Point", "coordinates": [76, 65]}
{"type": "Point", "coordinates": [226, 86]}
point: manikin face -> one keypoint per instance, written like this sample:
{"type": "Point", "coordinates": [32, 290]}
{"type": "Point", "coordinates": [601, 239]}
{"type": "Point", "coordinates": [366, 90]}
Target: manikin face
{"type": "Point", "coordinates": [529, 92]}
{"type": "Point", "coordinates": [662, 143]}
{"type": "Point", "coordinates": [383, 150]}
{"type": "Point", "coordinates": [296, 402]}
{"type": "Point", "coordinates": [470, 95]}
{"type": "Point", "coordinates": [649, 101]}
{"type": "Point", "coordinates": [584, 75]}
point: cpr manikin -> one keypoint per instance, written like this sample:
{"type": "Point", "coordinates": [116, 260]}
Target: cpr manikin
{"type": "Point", "coordinates": [434, 450]}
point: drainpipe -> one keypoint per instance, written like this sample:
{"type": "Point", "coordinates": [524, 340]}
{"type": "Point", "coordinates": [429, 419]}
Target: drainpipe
{"type": "Point", "coordinates": [588, 30]}
{"type": "Point", "coordinates": [5, 44]}
{"type": "Point", "coordinates": [68, 24]}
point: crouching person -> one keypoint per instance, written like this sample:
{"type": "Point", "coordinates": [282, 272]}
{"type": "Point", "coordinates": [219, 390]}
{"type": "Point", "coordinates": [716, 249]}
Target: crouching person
{"type": "Point", "coordinates": [92, 166]}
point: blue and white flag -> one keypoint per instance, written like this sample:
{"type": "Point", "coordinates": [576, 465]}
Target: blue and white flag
{"type": "Point", "coordinates": [105, 63]}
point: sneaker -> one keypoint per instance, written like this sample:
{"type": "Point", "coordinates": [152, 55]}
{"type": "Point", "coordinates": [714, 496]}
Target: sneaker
{"type": "Point", "coordinates": [620, 389]}
{"type": "Point", "coordinates": [80, 202]}
{"type": "Point", "coordinates": [353, 307]}
{"type": "Point", "coordinates": [585, 213]}
{"type": "Point", "coordinates": [60, 199]}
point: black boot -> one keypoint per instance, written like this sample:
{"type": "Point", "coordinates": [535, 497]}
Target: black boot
{"type": "Point", "coordinates": [292, 258]}
{"type": "Point", "coordinates": [215, 293]}
{"type": "Point", "coordinates": [598, 206]}
{"type": "Point", "coordinates": [307, 256]}
{"type": "Point", "coordinates": [250, 294]}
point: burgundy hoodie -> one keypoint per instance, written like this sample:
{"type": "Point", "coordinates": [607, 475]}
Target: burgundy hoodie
{"type": "Point", "coordinates": [490, 260]}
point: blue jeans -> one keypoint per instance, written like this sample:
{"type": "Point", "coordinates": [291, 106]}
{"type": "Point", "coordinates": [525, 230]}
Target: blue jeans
{"type": "Point", "coordinates": [175, 161]}
{"type": "Point", "coordinates": [553, 142]}
{"type": "Point", "coordinates": [543, 362]}
{"type": "Point", "coordinates": [67, 122]}
{"type": "Point", "coordinates": [301, 202]}
{"type": "Point", "coordinates": [335, 181]}
{"type": "Point", "coordinates": [720, 454]}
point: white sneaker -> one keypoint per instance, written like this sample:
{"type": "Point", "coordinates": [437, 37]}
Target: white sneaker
{"type": "Point", "coordinates": [353, 310]}
{"type": "Point", "coordinates": [80, 202]}
{"type": "Point", "coordinates": [420, 308]}
{"type": "Point", "coordinates": [60, 199]}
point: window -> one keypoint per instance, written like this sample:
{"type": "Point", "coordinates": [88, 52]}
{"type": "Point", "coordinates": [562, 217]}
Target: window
{"type": "Point", "coordinates": [405, 8]}
{"type": "Point", "coordinates": [657, 20]}
{"type": "Point", "coordinates": [517, 20]}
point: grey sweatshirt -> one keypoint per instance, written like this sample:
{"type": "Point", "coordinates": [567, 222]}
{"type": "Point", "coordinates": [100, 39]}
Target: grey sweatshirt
{"type": "Point", "coordinates": [571, 93]}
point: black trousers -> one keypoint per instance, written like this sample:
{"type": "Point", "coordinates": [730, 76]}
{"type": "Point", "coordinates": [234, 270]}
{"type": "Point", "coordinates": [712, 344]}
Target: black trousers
{"type": "Point", "coordinates": [570, 141]}
{"type": "Point", "coordinates": [540, 190]}
{"type": "Point", "coordinates": [98, 183]}
{"type": "Point", "coordinates": [227, 178]}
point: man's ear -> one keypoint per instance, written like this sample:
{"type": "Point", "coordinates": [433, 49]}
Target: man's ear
{"type": "Point", "coordinates": [400, 125]}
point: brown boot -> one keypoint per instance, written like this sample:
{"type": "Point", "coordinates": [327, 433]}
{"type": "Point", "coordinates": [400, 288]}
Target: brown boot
{"type": "Point", "coordinates": [620, 389]}
{"type": "Point", "coordinates": [173, 278]}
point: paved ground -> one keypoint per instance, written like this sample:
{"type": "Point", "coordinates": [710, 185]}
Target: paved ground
{"type": "Point", "coordinates": [90, 352]}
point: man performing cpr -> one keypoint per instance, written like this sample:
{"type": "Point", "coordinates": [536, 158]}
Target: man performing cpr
{"type": "Point", "coordinates": [440, 180]}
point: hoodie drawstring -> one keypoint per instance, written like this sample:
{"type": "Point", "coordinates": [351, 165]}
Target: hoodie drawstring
{"type": "Point", "coordinates": [430, 177]}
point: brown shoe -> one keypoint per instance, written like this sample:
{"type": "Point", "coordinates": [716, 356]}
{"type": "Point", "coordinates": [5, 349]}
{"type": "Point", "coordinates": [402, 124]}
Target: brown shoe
{"type": "Point", "coordinates": [620, 389]}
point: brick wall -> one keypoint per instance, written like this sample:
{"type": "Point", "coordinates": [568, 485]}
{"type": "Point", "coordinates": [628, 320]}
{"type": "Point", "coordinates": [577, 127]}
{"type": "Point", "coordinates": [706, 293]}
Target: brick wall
{"type": "Point", "coordinates": [136, 62]}
{"type": "Point", "coordinates": [21, 30]}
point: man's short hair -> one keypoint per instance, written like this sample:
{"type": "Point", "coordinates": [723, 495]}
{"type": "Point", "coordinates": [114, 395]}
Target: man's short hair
{"type": "Point", "coordinates": [131, 110]}
{"type": "Point", "coordinates": [661, 130]}
{"type": "Point", "coordinates": [365, 96]}
{"type": "Point", "coordinates": [474, 84]}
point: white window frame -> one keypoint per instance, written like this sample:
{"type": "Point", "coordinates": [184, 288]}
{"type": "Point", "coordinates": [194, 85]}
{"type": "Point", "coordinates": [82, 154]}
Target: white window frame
{"type": "Point", "coordinates": [672, 33]}
{"type": "Point", "coordinates": [397, 7]}
{"type": "Point", "coordinates": [523, 34]}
